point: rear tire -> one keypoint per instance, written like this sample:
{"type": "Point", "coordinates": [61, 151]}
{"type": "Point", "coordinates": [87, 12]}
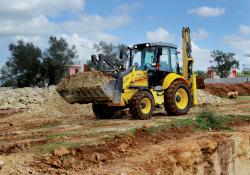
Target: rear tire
{"type": "Point", "coordinates": [141, 105]}
{"type": "Point", "coordinates": [177, 99]}
{"type": "Point", "coordinates": [103, 111]}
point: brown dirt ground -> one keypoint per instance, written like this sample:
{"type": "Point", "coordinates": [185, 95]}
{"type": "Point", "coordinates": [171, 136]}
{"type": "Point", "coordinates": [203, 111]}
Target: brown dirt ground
{"type": "Point", "coordinates": [221, 89]}
{"type": "Point", "coordinates": [27, 140]}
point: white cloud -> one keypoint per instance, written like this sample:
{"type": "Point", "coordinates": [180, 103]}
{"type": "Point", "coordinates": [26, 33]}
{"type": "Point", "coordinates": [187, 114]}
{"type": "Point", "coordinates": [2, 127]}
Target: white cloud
{"type": "Point", "coordinates": [100, 36]}
{"type": "Point", "coordinates": [126, 8]}
{"type": "Point", "coordinates": [94, 23]}
{"type": "Point", "coordinates": [200, 34]}
{"type": "Point", "coordinates": [38, 7]}
{"type": "Point", "coordinates": [238, 42]}
{"type": "Point", "coordinates": [160, 35]}
{"type": "Point", "coordinates": [84, 46]}
{"type": "Point", "coordinates": [244, 30]}
{"type": "Point", "coordinates": [201, 57]}
{"type": "Point", "coordinates": [206, 11]}
{"type": "Point", "coordinates": [36, 25]}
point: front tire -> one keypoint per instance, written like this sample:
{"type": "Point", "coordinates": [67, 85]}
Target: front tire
{"type": "Point", "coordinates": [177, 99]}
{"type": "Point", "coordinates": [103, 111]}
{"type": "Point", "coordinates": [141, 105]}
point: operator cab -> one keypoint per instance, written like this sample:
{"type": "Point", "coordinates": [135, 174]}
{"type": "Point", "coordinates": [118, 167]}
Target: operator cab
{"type": "Point", "coordinates": [158, 59]}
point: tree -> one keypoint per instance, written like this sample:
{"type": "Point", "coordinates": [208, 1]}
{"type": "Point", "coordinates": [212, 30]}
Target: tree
{"type": "Point", "coordinates": [56, 58]}
{"type": "Point", "coordinates": [224, 62]}
{"type": "Point", "coordinates": [201, 73]}
{"type": "Point", "coordinates": [22, 67]}
{"type": "Point", "coordinates": [113, 51]}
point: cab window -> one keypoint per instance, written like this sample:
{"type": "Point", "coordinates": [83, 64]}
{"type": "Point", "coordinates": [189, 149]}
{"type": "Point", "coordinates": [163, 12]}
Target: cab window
{"type": "Point", "coordinates": [165, 60]}
{"type": "Point", "coordinates": [174, 59]}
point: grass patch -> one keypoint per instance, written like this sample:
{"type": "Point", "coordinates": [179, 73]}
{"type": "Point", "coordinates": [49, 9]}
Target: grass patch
{"type": "Point", "coordinates": [49, 125]}
{"type": "Point", "coordinates": [209, 120]}
{"type": "Point", "coordinates": [239, 98]}
{"type": "Point", "coordinates": [52, 146]}
{"type": "Point", "coordinates": [59, 135]}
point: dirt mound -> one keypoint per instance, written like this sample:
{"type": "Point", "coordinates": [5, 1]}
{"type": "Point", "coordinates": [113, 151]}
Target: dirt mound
{"type": "Point", "coordinates": [40, 100]}
{"type": "Point", "coordinates": [205, 98]}
{"type": "Point", "coordinates": [200, 82]}
{"type": "Point", "coordinates": [221, 89]}
{"type": "Point", "coordinates": [86, 79]}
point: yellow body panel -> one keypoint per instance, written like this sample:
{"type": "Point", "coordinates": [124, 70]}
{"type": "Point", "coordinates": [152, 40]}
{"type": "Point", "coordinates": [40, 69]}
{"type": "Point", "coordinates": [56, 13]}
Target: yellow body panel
{"type": "Point", "coordinates": [134, 78]}
{"type": "Point", "coordinates": [194, 89]}
{"type": "Point", "coordinates": [158, 96]}
{"type": "Point", "coordinates": [170, 78]}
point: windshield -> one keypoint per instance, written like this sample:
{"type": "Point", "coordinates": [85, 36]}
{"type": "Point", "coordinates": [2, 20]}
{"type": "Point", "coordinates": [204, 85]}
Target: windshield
{"type": "Point", "coordinates": [143, 58]}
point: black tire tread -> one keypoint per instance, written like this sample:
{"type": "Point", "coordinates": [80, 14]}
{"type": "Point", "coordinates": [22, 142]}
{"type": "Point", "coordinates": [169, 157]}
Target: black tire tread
{"type": "Point", "coordinates": [169, 99]}
{"type": "Point", "coordinates": [134, 106]}
{"type": "Point", "coordinates": [100, 113]}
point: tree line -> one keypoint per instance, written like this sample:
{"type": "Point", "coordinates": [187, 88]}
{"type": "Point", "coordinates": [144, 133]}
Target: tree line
{"type": "Point", "coordinates": [29, 66]}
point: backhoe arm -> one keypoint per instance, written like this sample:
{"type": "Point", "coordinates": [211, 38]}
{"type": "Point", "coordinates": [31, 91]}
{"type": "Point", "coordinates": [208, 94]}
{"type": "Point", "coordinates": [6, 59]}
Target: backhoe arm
{"type": "Point", "coordinates": [188, 61]}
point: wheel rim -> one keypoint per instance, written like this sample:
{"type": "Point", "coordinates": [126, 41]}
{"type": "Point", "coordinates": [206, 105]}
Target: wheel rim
{"type": "Point", "coordinates": [181, 98]}
{"type": "Point", "coordinates": [145, 105]}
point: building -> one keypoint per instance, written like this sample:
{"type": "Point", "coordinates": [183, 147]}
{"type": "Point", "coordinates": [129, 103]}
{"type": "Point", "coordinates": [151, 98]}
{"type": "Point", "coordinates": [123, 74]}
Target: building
{"type": "Point", "coordinates": [212, 73]}
{"type": "Point", "coordinates": [73, 69]}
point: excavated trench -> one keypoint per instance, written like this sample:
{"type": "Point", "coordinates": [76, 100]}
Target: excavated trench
{"type": "Point", "coordinates": [177, 151]}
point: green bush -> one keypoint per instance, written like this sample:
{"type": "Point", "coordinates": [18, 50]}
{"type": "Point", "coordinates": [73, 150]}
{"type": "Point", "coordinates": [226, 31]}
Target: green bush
{"type": "Point", "coordinates": [209, 120]}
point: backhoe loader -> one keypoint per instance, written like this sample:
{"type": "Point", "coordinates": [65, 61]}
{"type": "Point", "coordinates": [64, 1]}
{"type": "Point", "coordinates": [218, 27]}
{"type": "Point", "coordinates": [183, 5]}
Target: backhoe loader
{"type": "Point", "coordinates": [153, 78]}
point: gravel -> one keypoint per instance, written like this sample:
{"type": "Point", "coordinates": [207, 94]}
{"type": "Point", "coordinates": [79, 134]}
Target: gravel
{"type": "Point", "coordinates": [205, 98]}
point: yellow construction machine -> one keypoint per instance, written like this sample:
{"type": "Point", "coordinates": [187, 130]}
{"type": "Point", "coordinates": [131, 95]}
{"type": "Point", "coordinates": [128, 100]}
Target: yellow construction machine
{"type": "Point", "coordinates": [152, 79]}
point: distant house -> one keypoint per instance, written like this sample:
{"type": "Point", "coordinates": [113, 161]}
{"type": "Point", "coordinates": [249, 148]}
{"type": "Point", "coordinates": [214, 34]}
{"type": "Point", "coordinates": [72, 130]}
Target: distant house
{"type": "Point", "coordinates": [73, 69]}
{"type": "Point", "coordinates": [212, 73]}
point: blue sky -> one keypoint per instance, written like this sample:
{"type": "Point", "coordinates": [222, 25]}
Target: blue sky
{"type": "Point", "coordinates": [215, 24]}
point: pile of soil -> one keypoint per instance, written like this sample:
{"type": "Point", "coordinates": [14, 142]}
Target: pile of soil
{"type": "Point", "coordinates": [200, 82]}
{"type": "Point", "coordinates": [221, 89]}
{"type": "Point", "coordinates": [205, 98]}
{"type": "Point", "coordinates": [39, 100]}
{"type": "Point", "coordinates": [71, 87]}
{"type": "Point", "coordinates": [86, 79]}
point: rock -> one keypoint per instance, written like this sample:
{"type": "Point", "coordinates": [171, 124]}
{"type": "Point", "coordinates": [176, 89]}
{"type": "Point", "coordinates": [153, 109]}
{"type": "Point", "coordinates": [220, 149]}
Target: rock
{"type": "Point", "coordinates": [61, 151]}
{"type": "Point", "coordinates": [122, 147]}
{"type": "Point", "coordinates": [97, 158]}
{"type": "Point", "coordinates": [68, 163]}
{"type": "Point", "coordinates": [54, 162]}
{"type": "Point", "coordinates": [233, 94]}
{"type": "Point", "coordinates": [1, 164]}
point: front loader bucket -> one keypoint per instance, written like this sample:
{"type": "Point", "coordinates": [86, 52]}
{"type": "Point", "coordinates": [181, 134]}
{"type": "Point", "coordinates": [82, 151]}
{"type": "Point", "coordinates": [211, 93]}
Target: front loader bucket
{"type": "Point", "coordinates": [84, 95]}
{"type": "Point", "coordinates": [89, 87]}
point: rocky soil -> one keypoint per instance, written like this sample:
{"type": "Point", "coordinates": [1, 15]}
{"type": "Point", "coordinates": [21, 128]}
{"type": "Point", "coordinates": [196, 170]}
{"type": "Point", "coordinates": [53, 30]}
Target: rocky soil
{"type": "Point", "coordinates": [205, 98]}
{"type": "Point", "coordinates": [222, 89]}
{"type": "Point", "coordinates": [39, 99]}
